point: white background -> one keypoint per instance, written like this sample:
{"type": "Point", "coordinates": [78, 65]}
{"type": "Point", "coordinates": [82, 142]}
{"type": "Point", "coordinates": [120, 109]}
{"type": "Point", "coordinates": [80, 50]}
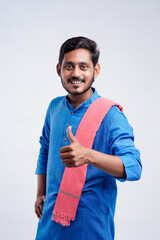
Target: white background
{"type": "Point", "coordinates": [128, 35]}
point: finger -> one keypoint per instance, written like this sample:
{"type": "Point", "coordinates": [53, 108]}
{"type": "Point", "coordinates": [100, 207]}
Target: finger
{"type": "Point", "coordinates": [67, 161]}
{"type": "Point", "coordinates": [65, 149]}
{"type": "Point", "coordinates": [41, 208]}
{"type": "Point", "coordinates": [66, 155]}
{"type": "Point", "coordinates": [69, 165]}
{"type": "Point", "coordinates": [38, 211]}
{"type": "Point", "coordinates": [70, 135]}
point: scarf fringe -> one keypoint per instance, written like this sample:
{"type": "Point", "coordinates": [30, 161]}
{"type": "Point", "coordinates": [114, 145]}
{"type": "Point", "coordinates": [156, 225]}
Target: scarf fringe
{"type": "Point", "coordinates": [62, 219]}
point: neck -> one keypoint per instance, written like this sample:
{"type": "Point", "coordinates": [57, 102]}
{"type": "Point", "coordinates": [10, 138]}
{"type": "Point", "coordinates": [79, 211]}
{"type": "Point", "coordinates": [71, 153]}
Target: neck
{"type": "Point", "coordinates": [76, 100]}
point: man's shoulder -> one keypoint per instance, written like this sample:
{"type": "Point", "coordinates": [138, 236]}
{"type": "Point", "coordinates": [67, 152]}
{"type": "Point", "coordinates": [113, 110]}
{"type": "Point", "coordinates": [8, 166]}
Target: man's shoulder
{"type": "Point", "coordinates": [57, 100]}
{"type": "Point", "coordinates": [114, 107]}
{"type": "Point", "coordinates": [115, 117]}
{"type": "Point", "coordinates": [113, 112]}
{"type": "Point", "coordinates": [56, 103]}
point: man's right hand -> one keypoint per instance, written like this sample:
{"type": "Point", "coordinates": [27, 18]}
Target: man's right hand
{"type": "Point", "coordinates": [39, 205]}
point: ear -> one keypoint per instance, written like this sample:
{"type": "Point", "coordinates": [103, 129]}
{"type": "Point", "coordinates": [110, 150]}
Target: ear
{"type": "Point", "coordinates": [96, 70]}
{"type": "Point", "coordinates": [58, 70]}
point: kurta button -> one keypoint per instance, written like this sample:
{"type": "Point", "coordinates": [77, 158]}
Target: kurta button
{"type": "Point", "coordinates": [67, 125]}
{"type": "Point", "coordinates": [65, 139]}
{"type": "Point", "coordinates": [71, 112]}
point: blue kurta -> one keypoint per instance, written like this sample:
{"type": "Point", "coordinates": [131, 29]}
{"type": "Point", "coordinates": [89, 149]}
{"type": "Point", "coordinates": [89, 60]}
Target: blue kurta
{"type": "Point", "coordinates": [95, 214]}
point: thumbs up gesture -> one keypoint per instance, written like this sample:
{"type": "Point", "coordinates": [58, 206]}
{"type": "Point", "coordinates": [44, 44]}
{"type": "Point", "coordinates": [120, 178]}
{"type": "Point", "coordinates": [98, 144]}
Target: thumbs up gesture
{"type": "Point", "coordinates": [73, 155]}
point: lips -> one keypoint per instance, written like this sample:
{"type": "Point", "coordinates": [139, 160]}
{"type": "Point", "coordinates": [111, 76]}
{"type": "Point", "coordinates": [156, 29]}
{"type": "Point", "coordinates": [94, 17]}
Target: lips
{"type": "Point", "coordinates": [76, 81]}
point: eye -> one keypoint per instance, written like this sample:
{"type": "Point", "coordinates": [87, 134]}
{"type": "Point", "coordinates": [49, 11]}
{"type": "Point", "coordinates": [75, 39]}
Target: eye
{"type": "Point", "coordinates": [84, 67]}
{"type": "Point", "coordinates": [68, 67]}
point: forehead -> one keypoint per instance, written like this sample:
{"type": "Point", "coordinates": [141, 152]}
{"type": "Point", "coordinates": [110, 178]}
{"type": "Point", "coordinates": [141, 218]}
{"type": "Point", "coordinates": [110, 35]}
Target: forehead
{"type": "Point", "coordinates": [78, 55]}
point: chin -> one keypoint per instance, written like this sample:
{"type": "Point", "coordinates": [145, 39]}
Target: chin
{"type": "Point", "coordinates": [75, 92]}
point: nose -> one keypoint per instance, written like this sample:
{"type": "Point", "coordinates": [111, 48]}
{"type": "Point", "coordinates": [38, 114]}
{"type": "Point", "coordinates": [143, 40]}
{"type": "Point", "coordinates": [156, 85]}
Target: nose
{"type": "Point", "coordinates": [76, 72]}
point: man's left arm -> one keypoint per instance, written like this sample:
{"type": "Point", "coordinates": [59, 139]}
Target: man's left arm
{"type": "Point", "coordinates": [123, 160]}
{"type": "Point", "coordinates": [76, 155]}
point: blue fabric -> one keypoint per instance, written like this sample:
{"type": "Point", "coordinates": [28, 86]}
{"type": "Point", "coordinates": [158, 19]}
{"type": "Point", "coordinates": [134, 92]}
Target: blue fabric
{"type": "Point", "coordinates": [95, 213]}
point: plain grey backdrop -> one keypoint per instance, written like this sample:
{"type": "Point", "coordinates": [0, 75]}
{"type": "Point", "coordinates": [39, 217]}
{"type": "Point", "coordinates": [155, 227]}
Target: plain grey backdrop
{"type": "Point", "coordinates": [128, 35]}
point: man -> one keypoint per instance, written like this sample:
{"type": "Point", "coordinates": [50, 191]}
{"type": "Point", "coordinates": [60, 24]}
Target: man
{"type": "Point", "coordinates": [113, 154]}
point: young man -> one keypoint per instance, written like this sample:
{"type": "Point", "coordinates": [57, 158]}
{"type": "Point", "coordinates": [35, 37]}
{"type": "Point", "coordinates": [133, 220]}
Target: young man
{"type": "Point", "coordinates": [112, 156]}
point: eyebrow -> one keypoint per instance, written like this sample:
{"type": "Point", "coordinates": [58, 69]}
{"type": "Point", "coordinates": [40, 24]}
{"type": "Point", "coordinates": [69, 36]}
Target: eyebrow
{"type": "Point", "coordinates": [69, 63]}
{"type": "Point", "coordinates": [72, 63]}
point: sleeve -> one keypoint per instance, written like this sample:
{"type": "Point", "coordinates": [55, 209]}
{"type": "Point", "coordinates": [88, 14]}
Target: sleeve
{"type": "Point", "coordinates": [44, 146]}
{"type": "Point", "coordinates": [121, 144]}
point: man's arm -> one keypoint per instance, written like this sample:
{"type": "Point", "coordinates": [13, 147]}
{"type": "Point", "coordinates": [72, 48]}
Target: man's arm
{"type": "Point", "coordinates": [108, 163]}
{"type": "Point", "coordinates": [42, 166]}
{"type": "Point", "coordinates": [41, 193]}
{"type": "Point", "coordinates": [76, 155]}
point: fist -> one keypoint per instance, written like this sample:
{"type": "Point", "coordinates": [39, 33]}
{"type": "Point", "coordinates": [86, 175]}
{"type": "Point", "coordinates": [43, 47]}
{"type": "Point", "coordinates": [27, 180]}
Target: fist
{"type": "Point", "coordinates": [73, 155]}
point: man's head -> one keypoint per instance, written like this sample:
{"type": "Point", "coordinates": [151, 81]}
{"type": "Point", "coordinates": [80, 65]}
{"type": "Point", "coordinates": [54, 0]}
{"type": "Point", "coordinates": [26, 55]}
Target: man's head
{"type": "Point", "coordinates": [78, 65]}
{"type": "Point", "coordinates": [79, 42]}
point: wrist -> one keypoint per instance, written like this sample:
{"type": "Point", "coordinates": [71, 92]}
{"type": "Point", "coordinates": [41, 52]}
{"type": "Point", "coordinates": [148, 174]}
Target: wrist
{"type": "Point", "coordinates": [88, 158]}
{"type": "Point", "coordinates": [40, 195]}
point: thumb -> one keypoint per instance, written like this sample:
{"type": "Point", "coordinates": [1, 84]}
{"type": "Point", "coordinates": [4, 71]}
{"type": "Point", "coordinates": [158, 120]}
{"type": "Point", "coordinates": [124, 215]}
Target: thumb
{"type": "Point", "coordinates": [70, 135]}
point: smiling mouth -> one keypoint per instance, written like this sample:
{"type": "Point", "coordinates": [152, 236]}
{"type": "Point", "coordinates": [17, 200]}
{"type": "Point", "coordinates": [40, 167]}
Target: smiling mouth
{"type": "Point", "coordinates": [76, 81]}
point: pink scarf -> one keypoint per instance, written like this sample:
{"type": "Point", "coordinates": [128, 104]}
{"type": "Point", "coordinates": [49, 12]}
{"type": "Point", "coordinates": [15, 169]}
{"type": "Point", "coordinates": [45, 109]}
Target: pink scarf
{"type": "Point", "coordinates": [74, 178]}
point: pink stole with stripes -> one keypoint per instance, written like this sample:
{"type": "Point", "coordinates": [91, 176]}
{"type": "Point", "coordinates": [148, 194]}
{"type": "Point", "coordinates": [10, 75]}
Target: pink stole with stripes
{"type": "Point", "coordinates": [73, 179]}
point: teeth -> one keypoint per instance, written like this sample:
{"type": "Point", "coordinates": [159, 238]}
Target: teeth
{"type": "Point", "coordinates": [76, 81]}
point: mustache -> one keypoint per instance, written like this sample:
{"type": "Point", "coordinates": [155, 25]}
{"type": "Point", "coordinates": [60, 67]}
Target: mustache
{"type": "Point", "coordinates": [76, 79]}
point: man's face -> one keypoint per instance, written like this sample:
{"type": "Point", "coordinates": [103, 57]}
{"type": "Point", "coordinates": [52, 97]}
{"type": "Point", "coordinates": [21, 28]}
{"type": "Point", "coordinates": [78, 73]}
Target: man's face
{"type": "Point", "coordinates": [77, 71]}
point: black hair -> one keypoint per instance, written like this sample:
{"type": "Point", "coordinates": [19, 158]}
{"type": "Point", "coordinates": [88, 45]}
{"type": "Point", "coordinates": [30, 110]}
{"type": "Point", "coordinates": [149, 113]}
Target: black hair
{"type": "Point", "coordinates": [79, 42]}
